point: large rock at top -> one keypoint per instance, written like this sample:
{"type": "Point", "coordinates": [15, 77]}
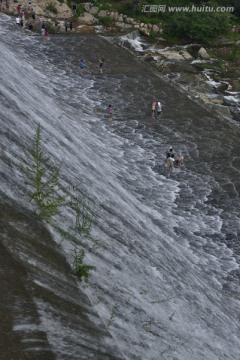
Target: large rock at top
{"type": "Point", "coordinates": [39, 6]}
{"type": "Point", "coordinates": [202, 54]}
{"type": "Point", "coordinates": [94, 10]}
{"type": "Point", "coordinates": [87, 19]}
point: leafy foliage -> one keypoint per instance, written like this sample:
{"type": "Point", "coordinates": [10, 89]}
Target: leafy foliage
{"type": "Point", "coordinates": [235, 54]}
{"type": "Point", "coordinates": [84, 215]}
{"type": "Point", "coordinates": [105, 20]}
{"type": "Point", "coordinates": [46, 192]}
{"type": "Point", "coordinates": [46, 188]}
{"type": "Point", "coordinates": [78, 268]}
{"type": "Point", "coordinates": [197, 26]}
{"type": "Point", "coordinates": [51, 8]}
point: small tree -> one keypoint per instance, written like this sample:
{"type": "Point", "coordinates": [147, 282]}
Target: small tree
{"type": "Point", "coordinates": [45, 181]}
{"type": "Point", "coordinates": [84, 216]}
{"type": "Point", "coordinates": [78, 268]}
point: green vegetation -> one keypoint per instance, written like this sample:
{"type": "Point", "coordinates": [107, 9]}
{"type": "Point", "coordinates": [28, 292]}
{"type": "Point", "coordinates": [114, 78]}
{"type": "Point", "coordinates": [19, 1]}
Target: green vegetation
{"type": "Point", "coordinates": [235, 54]}
{"type": "Point", "coordinates": [50, 199]}
{"type": "Point", "coordinates": [200, 25]}
{"type": "Point", "coordinates": [105, 20]}
{"type": "Point", "coordinates": [112, 316]}
{"type": "Point", "coordinates": [197, 26]}
{"type": "Point", "coordinates": [153, 35]}
{"type": "Point", "coordinates": [79, 12]}
{"type": "Point", "coordinates": [84, 217]}
{"type": "Point", "coordinates": [51, 8]}
{"type": "Point", "coordinates": [46, 188]}
{"type": "Point", "coordinates": [78, 268]}
{"type": "Point", "coordinates": [51, 27]}
{"type": "Point", "coordinates": [104, 5]}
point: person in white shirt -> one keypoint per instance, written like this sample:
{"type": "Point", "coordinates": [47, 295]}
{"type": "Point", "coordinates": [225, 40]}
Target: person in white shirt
{"type": "Point", "coordinates": [170, 163]}
{"type": "Point", "coordinates": [18, 20]}
{"type": "Point", "coordinates": [159, 108]}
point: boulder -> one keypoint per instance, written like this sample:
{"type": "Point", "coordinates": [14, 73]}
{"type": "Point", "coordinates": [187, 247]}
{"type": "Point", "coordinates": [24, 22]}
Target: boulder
{"type": "Point", "coordinates": [94, 10]}
{"type": "Point", "coordinates": [123, 26]}
{"type": "Point", "coordinates": [102, 13]}
{"type": "Point", "coordinates": [170, 54]}
{"type": "Point", "coordinates": [85, 29]}
{"type": "Point", "coordinates": [111, 15]}
{"type": "Point", "coordinates": [155, 28]}
{"type": "Point", "coordinates": [115, 16]}
{"type": "Point", "coordinates": [185, 55]}
{"type": "Point", "coordinates": [148, 57]}
{"type": "Point", "coordinates": [143, 31]}
{"type": "Point", "coordinates": [87, 7]}
{"type": "Point", "coordinates": [87, 19]}
{"type": "Point", "coordinates": [202, 54]}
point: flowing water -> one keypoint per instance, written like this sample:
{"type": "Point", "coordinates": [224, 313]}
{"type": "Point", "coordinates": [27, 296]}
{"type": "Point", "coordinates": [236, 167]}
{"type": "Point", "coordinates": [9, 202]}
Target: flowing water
{"type": "Point", "coordinates": [168, 254]}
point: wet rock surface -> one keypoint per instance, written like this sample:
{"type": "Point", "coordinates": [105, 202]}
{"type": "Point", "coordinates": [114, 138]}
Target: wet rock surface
{"type": "Point", "coordinates": [35, 278]}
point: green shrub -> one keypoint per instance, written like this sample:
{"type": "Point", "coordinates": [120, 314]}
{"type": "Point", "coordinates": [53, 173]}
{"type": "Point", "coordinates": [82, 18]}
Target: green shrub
{"type": "Point", "coordinates": [80, 10]}
{"type": "Point", "coordinates": [44, 178]}
{"type": "Point", "coordinates": [197, 26]}
{"type": "Point", "coordinates": [153, 35]}
{"type": "Point", "coordinates": [51, 27]}
{"type": "Point", "coordinates": [84, 215]}
{"type": "Point", "coordinates": [46, 192]}
{"type": "Point", "coordinates": [235, 53]}
{"type": "Point", "coordinates": [78, 268]}
{"type": "Point", "coordinates": [51, 8]}
{"type": "Point", "coordinates": [103, 6]}
{"type": "Point", "coordinates": [105, 20]}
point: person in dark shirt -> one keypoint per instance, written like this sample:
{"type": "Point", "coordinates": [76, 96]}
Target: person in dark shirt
{"type": "Point", "coordinates": [101, 62]}
{"type": "Point", "coordinates": [169, 153]}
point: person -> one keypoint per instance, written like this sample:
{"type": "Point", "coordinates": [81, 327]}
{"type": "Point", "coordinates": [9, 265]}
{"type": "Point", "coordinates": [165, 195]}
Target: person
{"type": "Point", "coordinates": [43, 32]}
{"type": "Point", "coordinates": [43, 24]}
{"type": "Point", "coordinates": [110, 112]}
{"type": "Point", "coordinates": [66, 24]}
{"type": "Point", "coordinates": [70, 25]}
{"type": "Point", "coordinates": [74, 8]}
{"type": "Point", "coordinates": [159, 108]}
{"type": "Point", "coordinates": [18, 20]}
{"type": "Point", "coordinates": [170, 163]}
{"type": "Point", "coordinates": [169, 153]}
{"type": "Point", "coordinates": [154, 103]}
{"type": "Point", "coordinates": [82, 65]}
{"type": "Point", "coordinates": [23, 15]}
{"type": "Point", "coordinates": [179, 160]}
{"type": "Point", "coordinates": [101, 65]}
